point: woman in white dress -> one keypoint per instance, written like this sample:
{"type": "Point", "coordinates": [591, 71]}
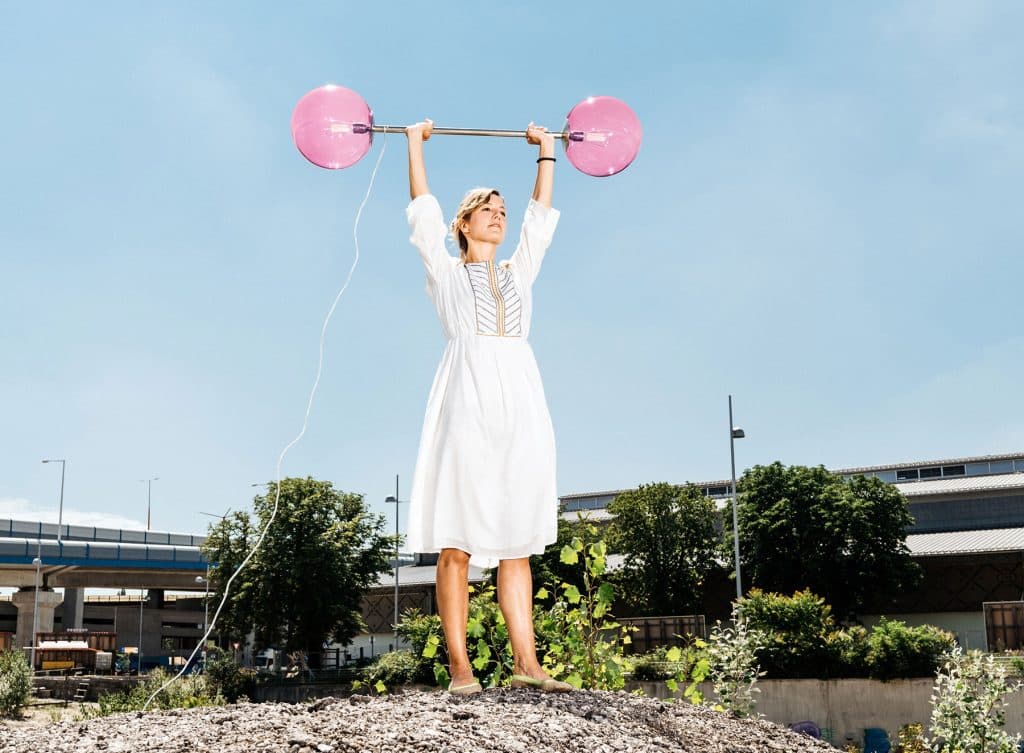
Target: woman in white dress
{"type": "Point", "coordinates": [484, 487]}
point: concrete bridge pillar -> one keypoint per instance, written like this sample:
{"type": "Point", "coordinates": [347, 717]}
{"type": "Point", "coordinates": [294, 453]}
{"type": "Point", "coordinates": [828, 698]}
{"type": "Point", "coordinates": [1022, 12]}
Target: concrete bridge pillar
{"type": "Point", "coordinates": [74, 606]}
{"type": "Point", "coordinates": [25, 600]}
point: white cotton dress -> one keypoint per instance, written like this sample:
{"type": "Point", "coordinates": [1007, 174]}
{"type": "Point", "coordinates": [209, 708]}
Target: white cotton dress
{"type": "Point", "coordinates": [485, 471]}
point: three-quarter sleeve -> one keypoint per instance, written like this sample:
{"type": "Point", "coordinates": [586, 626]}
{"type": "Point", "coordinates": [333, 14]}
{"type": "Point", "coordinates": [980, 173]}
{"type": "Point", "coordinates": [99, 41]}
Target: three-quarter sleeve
{"type": "Point", "coordinates": [534, 239]}
{"type": "Point", "coordinates": [428, 233]}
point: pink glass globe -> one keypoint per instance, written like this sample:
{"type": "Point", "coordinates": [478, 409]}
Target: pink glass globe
{"type": "Point", "coordinates": [331, 127]}
{"type": "Point", "coordinates": [604, 137]}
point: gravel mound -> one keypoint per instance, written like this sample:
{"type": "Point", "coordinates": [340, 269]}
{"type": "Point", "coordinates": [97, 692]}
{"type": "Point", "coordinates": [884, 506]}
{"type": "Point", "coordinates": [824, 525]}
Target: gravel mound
{"type": "Point", "coordinates": [499, 719]}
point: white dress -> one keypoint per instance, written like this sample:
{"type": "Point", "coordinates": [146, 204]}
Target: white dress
{"type": "Point", "coordinates": [485, 471]}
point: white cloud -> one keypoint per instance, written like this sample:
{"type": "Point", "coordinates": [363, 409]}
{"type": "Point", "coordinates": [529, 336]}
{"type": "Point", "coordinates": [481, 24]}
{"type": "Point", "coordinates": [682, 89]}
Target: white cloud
{"type": "Point", "coordinates": [23, 509]}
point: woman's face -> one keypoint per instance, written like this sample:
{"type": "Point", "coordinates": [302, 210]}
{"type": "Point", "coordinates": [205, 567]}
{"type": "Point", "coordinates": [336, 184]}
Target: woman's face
{"type": "Point", "coordinates": [486, 223]}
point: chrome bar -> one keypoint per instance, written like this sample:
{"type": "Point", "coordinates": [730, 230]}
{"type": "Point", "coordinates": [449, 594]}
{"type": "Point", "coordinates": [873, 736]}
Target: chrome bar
{"type": "Point", "coordinates": [437, 131]}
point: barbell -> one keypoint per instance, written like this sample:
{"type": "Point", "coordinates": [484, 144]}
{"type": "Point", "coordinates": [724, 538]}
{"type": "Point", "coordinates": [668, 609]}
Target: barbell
{"type": "Point", "coordinates": [333, 128]}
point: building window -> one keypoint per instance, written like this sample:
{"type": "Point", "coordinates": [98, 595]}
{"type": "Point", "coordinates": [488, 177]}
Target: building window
{"type": "Point", "coordinates": [931, 472]}
{"type": "Point", "coordinates": [909, 474]}
{"type": "Point", "coordinates": [954, 470]}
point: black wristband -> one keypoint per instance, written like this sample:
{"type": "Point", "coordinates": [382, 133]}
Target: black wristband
{"type": "Point", "coordinates": [542, 159]}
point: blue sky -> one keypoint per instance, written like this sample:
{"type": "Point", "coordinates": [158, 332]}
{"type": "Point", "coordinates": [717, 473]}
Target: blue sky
{"type": "Point", "coordinates": [820, 222]}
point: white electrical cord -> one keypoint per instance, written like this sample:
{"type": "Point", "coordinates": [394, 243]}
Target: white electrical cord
{"type": "Point", "coordinates": [280, 459]}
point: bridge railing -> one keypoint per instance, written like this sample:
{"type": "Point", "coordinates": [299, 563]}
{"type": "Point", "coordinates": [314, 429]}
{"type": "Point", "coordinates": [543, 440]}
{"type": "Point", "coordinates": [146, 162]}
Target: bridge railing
{"type": "Point", "coordinates": [11, 528]}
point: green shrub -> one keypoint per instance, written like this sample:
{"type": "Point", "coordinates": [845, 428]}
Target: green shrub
{"type": "Point", "coordinates": [655, 664]}
{"type": "Point", "coordinates": [487, 641]}
{"type": "Point", "coordinates": [732, 666]}
{"type": "Point", "coordinates": [969, 702]}
{"type": "Point", "coordinates": [576, 638]}
{"type": "Point", "coordinates": [795, 631]}
{"type": "Point", "coordinates": [896, 650]}
{"type": "Point", "coordinates": [848, 652]}
{"type": "Point", "coordinates": [420, 631]}
{"type": "Point", "coordinates": [579, 640]}
{"type": "Point", "coordinates": [490, 652]}
{"type": "Point", "coordinates": [182, 693]}
{"type": "Point", "coordinates": [391, 670]}
{"type": "Point", "coordinates": [15, 682]}
{"type": "Point", "coordinates": [226, 678]}
{"type": "Point", "coordinates": [910, 739]}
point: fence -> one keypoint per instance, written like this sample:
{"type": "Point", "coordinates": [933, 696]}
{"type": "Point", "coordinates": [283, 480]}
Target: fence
{"type": "Point", "coordinates": [677, 630]}
{"type": "Point", "coordinates": [1004, 625]}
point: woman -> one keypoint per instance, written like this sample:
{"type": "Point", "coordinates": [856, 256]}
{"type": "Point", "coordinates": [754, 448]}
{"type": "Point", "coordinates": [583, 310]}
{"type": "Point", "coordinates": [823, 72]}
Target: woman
{"type": "Point", "coordinates": [484, 487]}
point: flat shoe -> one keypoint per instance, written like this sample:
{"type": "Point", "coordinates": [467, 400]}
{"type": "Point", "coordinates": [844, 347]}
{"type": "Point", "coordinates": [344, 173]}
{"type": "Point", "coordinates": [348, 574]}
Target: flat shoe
{"type": "Point", "coordinates": [548, 685]}
{"type": "Point", "coordinates": [469, 689]}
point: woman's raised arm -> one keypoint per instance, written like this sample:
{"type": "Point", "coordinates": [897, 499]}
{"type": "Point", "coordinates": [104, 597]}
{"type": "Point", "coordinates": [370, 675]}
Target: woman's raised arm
{"type": "Point", "coordinates": [542, 188]}
{"type": "Point", "coordinates": [416, 135]}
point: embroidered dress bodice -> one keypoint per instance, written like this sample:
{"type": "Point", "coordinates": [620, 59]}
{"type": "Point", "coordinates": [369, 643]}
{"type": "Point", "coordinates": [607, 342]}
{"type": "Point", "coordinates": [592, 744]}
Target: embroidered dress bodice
{"type": "Point", "coordinates": [498, 308]}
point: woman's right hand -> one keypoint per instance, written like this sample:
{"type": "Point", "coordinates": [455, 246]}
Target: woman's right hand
{"type": "Point", "coordinates": [421, 130]}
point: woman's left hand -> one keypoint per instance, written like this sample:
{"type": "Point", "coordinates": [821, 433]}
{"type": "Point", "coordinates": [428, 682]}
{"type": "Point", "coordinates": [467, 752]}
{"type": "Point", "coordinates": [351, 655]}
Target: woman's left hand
{"type": "Point", "coordinates": [539, 135]}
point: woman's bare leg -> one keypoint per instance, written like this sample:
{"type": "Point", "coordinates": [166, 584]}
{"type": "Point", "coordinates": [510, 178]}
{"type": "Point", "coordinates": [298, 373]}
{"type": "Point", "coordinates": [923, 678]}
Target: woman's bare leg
{"type": "Point", "coordinates": [453, 606]}
{"type": "Point", "coordinates": [515, 597]}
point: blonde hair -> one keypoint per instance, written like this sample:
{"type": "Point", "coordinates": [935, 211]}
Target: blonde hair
{"type": "Point", "coordinates": [473, 200]}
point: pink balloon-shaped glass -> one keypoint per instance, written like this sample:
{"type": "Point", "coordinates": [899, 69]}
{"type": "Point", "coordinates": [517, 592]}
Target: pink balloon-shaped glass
{"type": "Point", "coordinates": [604, 137]}
{"type": "Point", "coordinates": [331, 127]}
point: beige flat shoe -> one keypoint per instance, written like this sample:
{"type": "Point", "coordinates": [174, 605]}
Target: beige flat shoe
{"type": "Point", "coordinates": [471, 688]}
{"type": "Point", "coordinates": [548, 685]}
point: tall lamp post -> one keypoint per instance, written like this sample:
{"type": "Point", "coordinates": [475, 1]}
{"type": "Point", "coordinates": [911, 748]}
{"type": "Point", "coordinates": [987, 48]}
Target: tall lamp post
{"type": "Point", "coordinates": [140, 631]}
{"type": "Point", "coordinates": [397, 502]}
{"type": "Point", "coordinates": [60, 511]}
{"type": "Point", "coordinates": [38, 562]}
{"type": "Point", "coordinates": [206, 610]}
{"type": "Point", "coordinates": [735, 433]}
{"type": "Point", "coordinates": [149, 497]}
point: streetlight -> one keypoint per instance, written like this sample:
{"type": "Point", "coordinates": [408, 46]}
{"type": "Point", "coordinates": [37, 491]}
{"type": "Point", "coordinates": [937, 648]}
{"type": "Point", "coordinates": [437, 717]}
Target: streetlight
{"type": "Point", "coordinates": [60, 513]}
{"type": "Point", "coordinates": [140, 632]}
{"type": "Point", "coordinates": [38, 562]}
{"type": "Point", "coordinates": [206, 610]}
{"type": "Point", "coordinates": [735, 433]}
{"type": "Point", "coordinates": [396, 502]}
{"type": "Point", "coordinates": [149, 497]}
{"type": "Point", "coordinates": [116, 604]}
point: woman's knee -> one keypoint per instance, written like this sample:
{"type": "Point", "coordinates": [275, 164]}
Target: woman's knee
{"type": "Point", "coordinates": [453, 557]}
{"type": "Point", "coordinates": [517, 564]}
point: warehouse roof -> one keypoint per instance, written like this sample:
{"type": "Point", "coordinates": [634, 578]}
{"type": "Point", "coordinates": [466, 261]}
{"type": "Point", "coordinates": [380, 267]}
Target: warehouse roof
{"type": "Point", "coordinates": [966, 542]}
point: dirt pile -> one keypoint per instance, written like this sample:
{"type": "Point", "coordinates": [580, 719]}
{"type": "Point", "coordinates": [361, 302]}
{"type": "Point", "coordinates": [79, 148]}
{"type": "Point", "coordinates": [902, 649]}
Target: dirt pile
{"type": "Point", "coordinates": [506, 720]}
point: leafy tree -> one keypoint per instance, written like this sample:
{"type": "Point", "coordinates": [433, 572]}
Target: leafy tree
{"type": "Point", "coordinates": [306, 583]}
{"type": "Point", "coordinates": [667, 534]}
{"type": "Point", "coordinates": [227, 544]}
{"type": "Point", "coordinates": [806, 528]}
